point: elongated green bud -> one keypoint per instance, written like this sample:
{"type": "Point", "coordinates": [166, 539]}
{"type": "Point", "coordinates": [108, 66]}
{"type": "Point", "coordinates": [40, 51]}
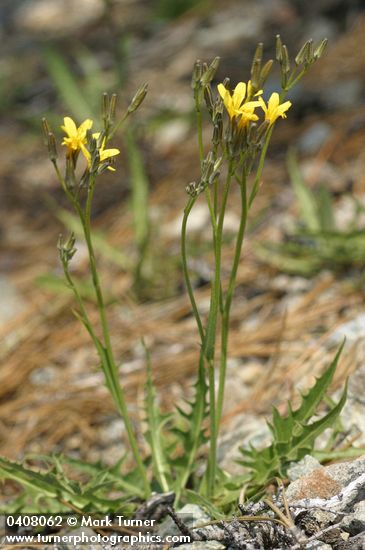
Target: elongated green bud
{"type": "Point", "coordinates": [70, 177]}
{"type": "Point", "coordinates": [112, 108]}
{"type": "Point", "coordinates": [52, 148]}
{"type": "Point", "coordinates": [208, 96]}
{"type": "Point", "coordinates": [197, 74]}
{"type": "Point", "coordinates": [320, 49]}
{"type": "Point", "coordinates": [302, 55]}
{"type": "Point", "coordinates": [265, 71]}
{"type": "Point", "coordinates": [279, 46]}
{"type": "Point", "coordinates": [285, 59]}
{"type": "Point", "coordinates": [105, 107]}
{"type": "Point", "coordinates": [138, 98]}
{"type": "Point", "coordinates": [257, 58]}
{"type": "Point", "coordinates": [255, 74]}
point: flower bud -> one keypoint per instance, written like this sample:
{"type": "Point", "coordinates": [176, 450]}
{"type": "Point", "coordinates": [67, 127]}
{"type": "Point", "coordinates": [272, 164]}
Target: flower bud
{"type": "Point", "coordinates": [279, 46]}
{"type": "Point", "coordinates": [256, 65]}
{"type": "Point", "coordinates": [285, 63]}
{"type": "Point", "coordinates": [105, 107]}
{"type": "Point", "coordinates": [112, 108]}
{"type": "Point", "coordinates": [70, 177]}
{"type": "Point", "coordinates": [302, 55]}
{"type": "Point", "coordinates": [66, 249]}
{"type": "Point", "coordinates": [208, 96]}
{"type": "Point", "coordinates": [197, 74]}
{"type": "Point", "coordinates": [138, 98]}
{"type": "Point", "coordinates": [218, 129]}
{"type": "Point", "coordinates": [209, 72]}
{"type": "Point", "coordinates": [52, 148]}
{"type": "Point", "coordinates": [320, 49]}
{"type": "Point", "coordinates": [255, 74]}
{"type": "Point", "coordinates": [191, 189]}
{"type": "Point", "coordinates": [265, 71]}
{"type": "Point", "coordinates": [46, 129]}
{"type": "Point", "coordinates": [95, 161]}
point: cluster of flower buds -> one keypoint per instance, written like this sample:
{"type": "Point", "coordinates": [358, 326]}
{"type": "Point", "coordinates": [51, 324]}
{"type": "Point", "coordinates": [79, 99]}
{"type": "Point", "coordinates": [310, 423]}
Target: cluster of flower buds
{"type": "Point", "coordinates": [203, 73]}
{"type": "Point", "coordinates": [66, 249]}
{"type": "Point", "coordinates": [307, 55]}
{"type": "Point", "coordinates": [210, 172]}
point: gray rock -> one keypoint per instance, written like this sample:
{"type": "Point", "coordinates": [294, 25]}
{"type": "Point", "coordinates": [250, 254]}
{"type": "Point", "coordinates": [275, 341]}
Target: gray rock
{"type": "Point", "coordinates": [355, 543]}
{"type": "Point", "coordinates": [191, 514]}
{"type": "Point", "coordinates": [316, 484]}
{"type": "Point", "coordinates": [317, 545]}
{"type": "Point", "coordinates": [314, 137]}
{"type": "Point", "coordinates": [345, 94]}
{"type": "Point", "coordinates": [355, 523]}
{"type": "Point", "coordinates": [303, 467]}
{"type": "Point", "coordinates": [345, 472]}
{"type": "Point", "coordinates": [252, 430]}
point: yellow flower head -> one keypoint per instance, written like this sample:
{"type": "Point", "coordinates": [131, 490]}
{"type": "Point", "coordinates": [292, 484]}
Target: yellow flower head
{"type": "Point", "coordinates": [76, 137]}
{"type": "Point", "coordinates": [274, 110]}
{"type": "Point", "coordinates": [105, 154]}
{"type": "Point", "coordinates": [237, 103]}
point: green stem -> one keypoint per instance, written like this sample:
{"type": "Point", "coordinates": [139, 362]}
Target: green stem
{"type": "Point", "coordinates": [260, 167]}
{"type": "Point", "coordinates": [186, 273]}
{"type": "Point", "coordinates": [111, 365]}
{"type": "Point", "coordinates": [199, 123]}
{"type": "Point", "coordinates": [209, 343]}
{"type": "Point", "coordinates": [84, 318]}
{"type": "Point", "coordinates": [229, 298]}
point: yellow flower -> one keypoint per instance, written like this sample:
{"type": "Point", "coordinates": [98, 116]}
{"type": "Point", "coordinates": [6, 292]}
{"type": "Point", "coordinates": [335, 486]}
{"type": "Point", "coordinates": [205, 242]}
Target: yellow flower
{"type": "Point", "coordinates": [104, 154]}
{"type": "Point", "coordinates": [274, 110]}
{"type": "Point", "coordinates": [76, 137]}
{"type": "Point", "coordinates": [237, 104]}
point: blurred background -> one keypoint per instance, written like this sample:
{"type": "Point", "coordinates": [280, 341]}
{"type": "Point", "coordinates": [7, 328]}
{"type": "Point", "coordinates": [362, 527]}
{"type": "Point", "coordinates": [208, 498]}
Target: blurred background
{"type": "Point", "coordinates": [301, 280]}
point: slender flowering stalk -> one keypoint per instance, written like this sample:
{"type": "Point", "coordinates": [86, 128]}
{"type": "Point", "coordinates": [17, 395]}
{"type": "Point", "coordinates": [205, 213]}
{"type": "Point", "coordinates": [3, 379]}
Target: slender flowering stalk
{"type": "Point", "coordinates": [243, 143]}
{"type": "Point", "coordinates": [98, 157]}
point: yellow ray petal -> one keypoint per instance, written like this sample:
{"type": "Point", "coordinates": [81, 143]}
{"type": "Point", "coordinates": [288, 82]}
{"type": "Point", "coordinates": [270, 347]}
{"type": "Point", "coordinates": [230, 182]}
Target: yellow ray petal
{"type": "Point", "coordinates": [69, 126]}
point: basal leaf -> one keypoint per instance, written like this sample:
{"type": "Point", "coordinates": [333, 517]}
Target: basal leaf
{"type": "Point", "coordinates": [311, 400]}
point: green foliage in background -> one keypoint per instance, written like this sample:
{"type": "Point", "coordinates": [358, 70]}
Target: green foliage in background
{"type": "Point", "coordinates": [316, 243]}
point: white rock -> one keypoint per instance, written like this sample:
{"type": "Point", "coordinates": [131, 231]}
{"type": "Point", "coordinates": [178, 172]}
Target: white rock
{"type": "Point", "coordinates": [171, 134]}
{"type": "Point", "coordinates": [58, 16]}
